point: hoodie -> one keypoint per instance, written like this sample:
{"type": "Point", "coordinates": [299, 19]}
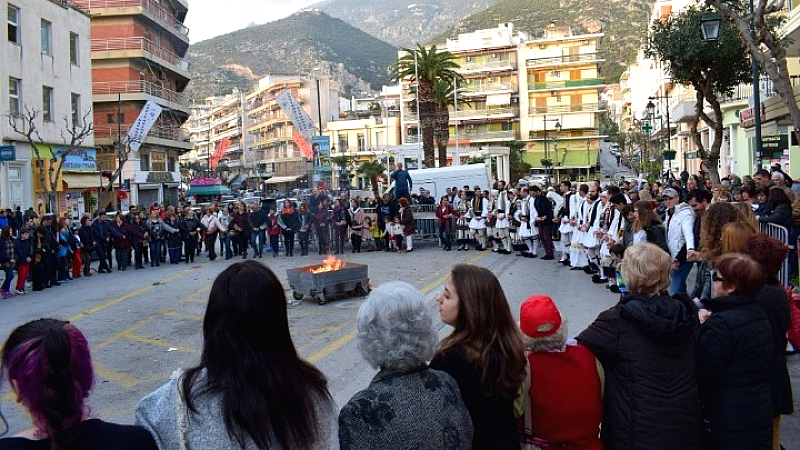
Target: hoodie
{"type": "Point", "coordinates": [647, 348]}
{"type": "Point", "coordinates": [680, 231]}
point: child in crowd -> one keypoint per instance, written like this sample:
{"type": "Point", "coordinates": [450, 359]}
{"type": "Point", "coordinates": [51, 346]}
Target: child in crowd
{"type": "Point", "coordinates": [24, 253]}
{"type": "Point", "coordinates": [77, 253]}
{"type": "Point", "coordinates": [274, 232]}
{"type": "Point", "coordinates": [618, 286]}
{"type": "Point", "coordinates": [396, 235]}
{"type": "Point", "coordinates": [374, 236]}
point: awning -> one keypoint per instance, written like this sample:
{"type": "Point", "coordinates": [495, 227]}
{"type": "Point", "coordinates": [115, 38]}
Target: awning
{"type": "Point", "coordinates": [286, 179]}
{"type": "Point", "coordinates": [208, 190]}
{"type": "Point", "coordinates": [81, 180]}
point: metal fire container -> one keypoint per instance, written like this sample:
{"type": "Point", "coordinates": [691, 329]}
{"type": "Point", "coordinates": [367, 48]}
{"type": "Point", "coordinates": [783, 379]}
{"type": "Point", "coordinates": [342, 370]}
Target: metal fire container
{"type": "Point", "coordinates": [351, 278]}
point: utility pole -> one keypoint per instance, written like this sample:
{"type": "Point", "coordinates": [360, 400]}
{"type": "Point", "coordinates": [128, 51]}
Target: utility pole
{"type": "Point", "coordinates": [457, 155]}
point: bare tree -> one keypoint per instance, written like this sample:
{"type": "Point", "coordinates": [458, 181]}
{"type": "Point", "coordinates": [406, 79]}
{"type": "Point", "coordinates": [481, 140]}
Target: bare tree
{"type": "Point", "coordinates": [73, 134]}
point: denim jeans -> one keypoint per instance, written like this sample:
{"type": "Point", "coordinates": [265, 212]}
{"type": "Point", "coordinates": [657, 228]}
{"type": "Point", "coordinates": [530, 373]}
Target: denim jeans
{"type": "Point", "coordinates": [225, 246]}
{"type": "Point", "coordinates": [678, 278]}
{"type": "Point", "coordinates": [444, 235]}
{"type": "Point", "coordinates": [257, 236]}
{"type": "Point", "coordinates": [155, 252]}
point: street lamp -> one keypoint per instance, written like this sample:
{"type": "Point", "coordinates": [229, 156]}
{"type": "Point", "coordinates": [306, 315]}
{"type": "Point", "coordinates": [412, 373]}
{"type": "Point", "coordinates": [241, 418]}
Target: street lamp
{"type": "Point", "coordinates": [712, 21]}
{"type": "Point", "coordinates": [709, 25]}
{"type": "Point", "coordinates": [546, 150]}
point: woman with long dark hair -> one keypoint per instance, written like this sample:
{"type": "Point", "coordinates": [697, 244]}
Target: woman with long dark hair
{"type": "Point", "coordinates": [484, 353]}
{"type": "Point", "coordinates": [48, 365]}
{"type": "Point", "coordinates": [250, 389]}
{"type": "Point", "coordinates": [778, 208]}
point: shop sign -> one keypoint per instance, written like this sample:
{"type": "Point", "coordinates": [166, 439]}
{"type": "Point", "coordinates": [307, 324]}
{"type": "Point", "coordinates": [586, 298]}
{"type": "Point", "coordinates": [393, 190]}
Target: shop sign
{"type": "Point", "coordinates": [747, 117]}
{"type": "Point", "coordinates": [7, 153]}
{"type": "Point", "coordinates": [159, 177]}
{"type": "Point", "coordinates": [776, 143]}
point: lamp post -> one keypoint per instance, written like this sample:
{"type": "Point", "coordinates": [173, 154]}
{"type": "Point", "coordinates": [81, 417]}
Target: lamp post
{"type": "Point", "coordinates": [710, 26]}
{"type": "Point", "coordinates": [651, 108]}
{"type": "Point", "coordinates": [546, 150]}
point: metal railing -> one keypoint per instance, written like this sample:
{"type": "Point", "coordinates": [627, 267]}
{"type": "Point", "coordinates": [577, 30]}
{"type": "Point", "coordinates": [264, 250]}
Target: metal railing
{"type": "Point", "coordinates": [488, 64]}
{"type": "Point", "coordinates": [565, 84]}
{"type": "Point", "coordinates": [566, 108]}
{"type": "Point", "coordinates": [111, 131]}
{"type": "Point", "coordinates": [151, 9]}
{"type": "Point", "coordinates": [139, 87]}
{"type": "Point", "coordinates": [782, 234]}
{"type": "Point", "coordinates": [472, 113]}
{"type": "Point", "coordinates": [484, 135]}
{"type": "Point", "coordinates": [535, 62]}
{"type": "Point", "coordinates": [140, 43]}
{"type": "Point", "coordinates": [485, 87]}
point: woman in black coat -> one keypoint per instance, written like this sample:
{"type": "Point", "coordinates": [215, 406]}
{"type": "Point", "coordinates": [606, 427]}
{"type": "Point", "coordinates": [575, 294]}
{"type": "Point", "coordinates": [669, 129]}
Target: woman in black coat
{"type": "Point", "coordinates": [735, 358]}
{"type": "Point", "coordinates": [770, 253]}
{"type": "Point", "coordinates": [778, 209]}
{"type": "Point", "coordinates": [646, 344]}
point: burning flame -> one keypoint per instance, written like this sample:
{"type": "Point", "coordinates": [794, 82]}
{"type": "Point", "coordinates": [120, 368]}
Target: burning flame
{"type": "Point", "coordinates": [331, 263]}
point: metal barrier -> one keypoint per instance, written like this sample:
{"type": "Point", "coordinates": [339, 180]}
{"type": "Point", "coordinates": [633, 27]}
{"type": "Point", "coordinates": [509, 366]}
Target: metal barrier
{"type": "Point", "coordinates": [781, 233]}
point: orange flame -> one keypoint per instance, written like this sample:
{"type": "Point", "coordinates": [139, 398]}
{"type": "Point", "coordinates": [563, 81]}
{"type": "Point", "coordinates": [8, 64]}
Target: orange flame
{"type": "Point", "coordinates": [331, 263]}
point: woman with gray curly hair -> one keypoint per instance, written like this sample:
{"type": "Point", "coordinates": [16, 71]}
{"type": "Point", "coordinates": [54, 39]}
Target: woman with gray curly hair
{"type": "Point", "coordinates": [407, 404]}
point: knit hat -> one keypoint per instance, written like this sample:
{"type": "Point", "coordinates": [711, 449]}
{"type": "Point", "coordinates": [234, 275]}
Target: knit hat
{"type": "Point", "coordinates": [539, 317]}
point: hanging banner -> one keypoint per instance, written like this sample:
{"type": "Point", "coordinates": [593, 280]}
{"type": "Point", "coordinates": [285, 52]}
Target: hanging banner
{"type": "Point", "coordinates": [142, 126]}
{"type": "Point", "coordinates": [302, 144]}
{"type": "Point", "coordinates": [321, 147]}
{"type": "Point", "coordinates": [219, 152]}
{"type": "Point", "coordinates": [296, 114]}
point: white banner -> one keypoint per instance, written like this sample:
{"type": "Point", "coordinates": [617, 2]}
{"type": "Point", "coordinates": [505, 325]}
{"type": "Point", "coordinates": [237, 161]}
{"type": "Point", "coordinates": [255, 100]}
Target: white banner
{"type": "Point", "coordinates": [142, 126]}
{"type": "Point", "coordinates": [296, 114]}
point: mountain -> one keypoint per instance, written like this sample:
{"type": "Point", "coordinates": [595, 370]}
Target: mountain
{"type": "Point", "coordinates": [402, 22]}
{"type": "Point", "coordinates": [624, 22]}
{"type": "Point", "coordinates": [297, 44]}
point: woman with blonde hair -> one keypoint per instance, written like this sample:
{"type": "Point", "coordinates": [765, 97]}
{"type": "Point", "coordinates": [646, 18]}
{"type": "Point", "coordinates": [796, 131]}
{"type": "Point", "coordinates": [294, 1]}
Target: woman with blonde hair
{"type": "Point", "coordinates": [484, 353]}
{"type": "Point", "coordinates": [646, 344]}
{"type": "Point", "coordinates": [735, 235]}
{"type": "Point", "coordinates": [746, 211]}
{"type": "Point", "coordinates": [719, 215]}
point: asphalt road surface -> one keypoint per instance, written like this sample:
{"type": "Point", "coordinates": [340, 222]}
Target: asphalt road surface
{"type": "Point", "coordinates": [608, 164]}
{"type": "Point", "coordinates": [144, 324]}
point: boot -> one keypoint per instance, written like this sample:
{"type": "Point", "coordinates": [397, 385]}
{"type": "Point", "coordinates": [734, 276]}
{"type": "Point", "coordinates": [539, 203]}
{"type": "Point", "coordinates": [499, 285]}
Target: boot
{"type": "Point", "coordinates": [87, 272]}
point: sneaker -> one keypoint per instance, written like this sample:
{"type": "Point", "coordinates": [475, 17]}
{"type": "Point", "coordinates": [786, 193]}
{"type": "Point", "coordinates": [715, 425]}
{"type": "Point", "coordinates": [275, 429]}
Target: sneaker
{"type": "Point", "coordinates": [7, 294]}
{"type": "Point", "coordinates": [19, 292]}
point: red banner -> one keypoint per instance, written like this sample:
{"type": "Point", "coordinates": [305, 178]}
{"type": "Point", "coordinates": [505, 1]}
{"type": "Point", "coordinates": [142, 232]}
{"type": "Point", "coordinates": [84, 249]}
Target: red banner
{"type": "Point", "coordinates": [222, 147]}
{"type": "Point", "coordinates": [302, 144]}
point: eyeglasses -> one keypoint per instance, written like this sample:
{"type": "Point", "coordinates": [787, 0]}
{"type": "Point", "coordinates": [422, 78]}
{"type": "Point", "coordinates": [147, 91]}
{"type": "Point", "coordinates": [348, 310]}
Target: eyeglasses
{"type": "Point", "coordinates": [715, 276]}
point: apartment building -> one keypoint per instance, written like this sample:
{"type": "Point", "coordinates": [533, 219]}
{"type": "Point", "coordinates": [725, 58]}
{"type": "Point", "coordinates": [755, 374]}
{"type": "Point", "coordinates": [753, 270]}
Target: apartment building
{"type": "Point", "coordinates": [137, 51]}
{"type": "Point", "coordinates": [355, 141]}
{"type": "Point", "coordinates": [273, 153]}
{"type": "Point", "coordinates": [560, 106]}
{"type": "Point", "coordinates": [198, 127]}
{"type": "Point", "coordinates": [45, 67]}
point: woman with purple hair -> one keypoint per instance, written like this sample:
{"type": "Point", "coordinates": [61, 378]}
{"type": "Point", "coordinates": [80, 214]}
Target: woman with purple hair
{"type": "Point", "coordinates": [48, 365]}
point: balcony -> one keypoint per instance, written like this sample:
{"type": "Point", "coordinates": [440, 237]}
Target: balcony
{"type": "Point", "coordinates": [486, 88]}
{"type": "Point", "coordinates": [226, 118]}
{"type": "Point", "coordinates": [487, 66]}
{"type": "Point", "coordinates": [149, 8]}
{"type": "Point", "coordinates": [484, 135]}
{"type": "Point", "coordinates": [472, 114]}
{"type": "Point", "coordinates": [123, 47]}
{"type": "Point", "coordinates": [564, 60]}
{"type": "Point", "coordinates": [165, 136]}
{"type": "Point", "coordinates": [568, 84]}
{"type": "Point", "coordinates": [128, 90]}
{"type": "Point", "coordinates": [564, 109]}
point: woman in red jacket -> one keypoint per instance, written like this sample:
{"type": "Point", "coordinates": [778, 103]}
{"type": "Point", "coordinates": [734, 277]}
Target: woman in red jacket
{"type": "Point", "coordinates": [445, 214]}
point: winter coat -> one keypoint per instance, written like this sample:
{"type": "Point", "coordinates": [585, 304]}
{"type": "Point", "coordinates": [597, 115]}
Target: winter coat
{"type": "Point", "coordinates": [189, 228]}
{"type": "Point", "coordinates": [258, 219]}
{"type": "Point", "coordinates": [273, 229]}
{"type": "Point", "coordinates": [322, 219]}
{"type": "Point", "coordinates": [773, 300]}
{"type": "Point", "coordinates": [735, 355]}
{"type": "Point", "coordinates": [492, 416]}
{"type": "Point", "coordinates": [87, 237]}
{"type": "Point", "coordinates": [101, 230]}
{"type": "Point", "coordinates": [7, 253]}
{"type": "Point", "coordinates": [157, 230]}
{"type": "Point", "coordinates": [647, 348]}
{"type": "Point", "coordinates": [240, 222]}
{"type": "Point", "coordinates": [136, 232]}
{"type": "Point", "coordinates": [780, 215]}
{"type": "Point", "coordinates": [386, 211]}
{"type": "Point", "coordinates": [289, 220]}
{"type": "Point", "coordinates": [173, 237]}
{"type": "Point", "coordinates": [419, 408]}
{"type": "Point", "coordinates": [680, 230]}
{"type": "Point", "coordinates": [407, 220]}
{"type": "Point", "coordinates": [121, 235]}
{"type": "Point", "coordinates": [655, 235]}
{"type": "Point", "coordinates": [23, 249]}
{"type": "Point", "coordinates": [445, 222]}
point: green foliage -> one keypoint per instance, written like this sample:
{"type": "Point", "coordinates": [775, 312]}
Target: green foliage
{"type": "Point", "coordinates": [372, 170]}
{"type": "Point", "coordinates": [691, 60]}
{"type": "Point", "coordinates": [517, 167]}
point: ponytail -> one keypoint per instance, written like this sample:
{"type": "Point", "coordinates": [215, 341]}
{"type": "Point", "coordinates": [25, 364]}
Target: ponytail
{"type": "Point", "coordinates": [63, 400]}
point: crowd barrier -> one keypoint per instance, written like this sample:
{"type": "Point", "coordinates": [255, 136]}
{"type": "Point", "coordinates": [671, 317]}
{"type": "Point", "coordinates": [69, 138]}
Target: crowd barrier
{"type": "Point", "coordinates": [781, 233]}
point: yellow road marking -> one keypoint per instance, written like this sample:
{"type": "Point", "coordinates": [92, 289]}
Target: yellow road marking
{"type": "Point", "coordinates": [180, 315]}
{"type": "Point", "coordinates": [119, 335]}
{"type": "Point", "coordinates": [124, 297]}
{"type": "Point", "coordinates": [157, 342]}
{"type": "Point", "coordinates": [344, 340]}
{"type": "Point", "coordinates": [122, 379]}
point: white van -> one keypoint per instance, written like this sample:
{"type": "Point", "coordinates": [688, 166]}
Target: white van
{"type": "Point", "coordinates": [439, 179]}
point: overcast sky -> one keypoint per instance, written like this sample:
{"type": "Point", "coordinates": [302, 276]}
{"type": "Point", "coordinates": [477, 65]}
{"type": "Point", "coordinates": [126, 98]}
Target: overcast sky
{"type": "Point", "coordinates": [209, 18]}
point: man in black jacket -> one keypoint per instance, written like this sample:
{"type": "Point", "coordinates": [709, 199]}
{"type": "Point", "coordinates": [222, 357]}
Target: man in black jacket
{"type": "Point", "coordinates": [544, 222]}
{"type": "Point", "coordinates": [101, 232]}
{"type": "Point", "coordinates": [258, 224]}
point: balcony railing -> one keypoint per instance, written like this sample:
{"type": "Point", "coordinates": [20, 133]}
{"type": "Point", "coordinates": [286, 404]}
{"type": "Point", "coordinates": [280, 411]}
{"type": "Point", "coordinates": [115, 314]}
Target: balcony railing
{"type": "Point", "coordinates": [139, 87]}
{"type": "Point", "coordinates": [484, 135]}
{"type": "Point", "coordinates": [549, 61]}
{"type": "Point", "coordinates": [111, 131]}
{"type": "Point", "coordinates": [151, 9]}
{"type": "Point", "coordinates": [412, 139]}
{"type": "Point", "coordinates": [488, 64]}
{"type": "Point", "coordinates": [140, 43]}
{"type": "Point", "coordinates": [567, 108]}
{"type": "Point", "coordinates": [472, 113]}
{"type": "Point", "coordinates": [486, 87]}
{"type": "Point", "coordinates": [565, 84]}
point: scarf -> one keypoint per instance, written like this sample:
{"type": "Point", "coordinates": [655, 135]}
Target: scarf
{"type": "Point", "coordinates": [289, 210]}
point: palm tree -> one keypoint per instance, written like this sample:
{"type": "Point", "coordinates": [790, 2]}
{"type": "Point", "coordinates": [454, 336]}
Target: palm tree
{"type": "Point", "coordinates": [372, 170]}
{"type": "Point", "coordinates": [429, 65]}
